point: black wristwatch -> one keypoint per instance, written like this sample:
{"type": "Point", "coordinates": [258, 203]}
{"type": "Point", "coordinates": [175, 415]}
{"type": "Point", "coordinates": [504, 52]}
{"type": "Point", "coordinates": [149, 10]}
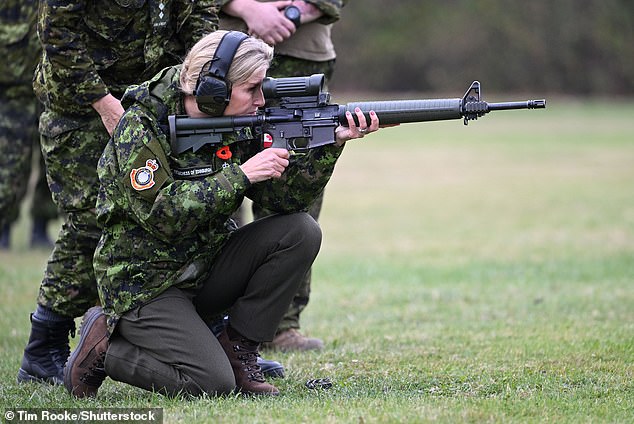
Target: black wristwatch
{"type": "Point", "coordinates": [292, 13]}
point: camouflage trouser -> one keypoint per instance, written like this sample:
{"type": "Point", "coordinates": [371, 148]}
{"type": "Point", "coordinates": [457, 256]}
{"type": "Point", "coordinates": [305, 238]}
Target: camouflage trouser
{"type": "Point", "coordinates": [42, 206]}
{"type": "Point", "coordinates": [286, 66]}
{"type": "Point", "coordinates": [71, 147]}
{"type": "Point", "coordinates": [18, 140]}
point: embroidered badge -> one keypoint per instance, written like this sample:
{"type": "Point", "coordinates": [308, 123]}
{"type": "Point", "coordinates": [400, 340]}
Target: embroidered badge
{"type": "Point", "coordinates": [143, 178]}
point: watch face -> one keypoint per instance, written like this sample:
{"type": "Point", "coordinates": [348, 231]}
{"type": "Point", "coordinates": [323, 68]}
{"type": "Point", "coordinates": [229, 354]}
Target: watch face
{"type": "Point", "coordinates": [292, 13]}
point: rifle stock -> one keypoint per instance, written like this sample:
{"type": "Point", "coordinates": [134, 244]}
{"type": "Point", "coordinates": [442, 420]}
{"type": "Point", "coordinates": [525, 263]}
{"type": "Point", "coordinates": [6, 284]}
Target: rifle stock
{"type": "Point", "coordinates": [300, 116]}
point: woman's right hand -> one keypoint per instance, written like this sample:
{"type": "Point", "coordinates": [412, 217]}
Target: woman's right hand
{"type": "Point", "coordinates": [269, 163]}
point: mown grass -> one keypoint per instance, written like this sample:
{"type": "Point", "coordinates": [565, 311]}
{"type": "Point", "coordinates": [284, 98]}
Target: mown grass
{"type": "Point", "coordinates": [478, 274]}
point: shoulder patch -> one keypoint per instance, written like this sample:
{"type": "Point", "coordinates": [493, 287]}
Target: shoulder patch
{"type": "Point", "coordinates": [143, 178]}
{"type": "Point", "coordinates": [146, 175]}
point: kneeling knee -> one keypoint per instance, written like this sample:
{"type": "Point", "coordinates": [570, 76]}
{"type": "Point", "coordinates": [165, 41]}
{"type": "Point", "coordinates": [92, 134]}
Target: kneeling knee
{"type": "Point", "coordinates": [308, 231]}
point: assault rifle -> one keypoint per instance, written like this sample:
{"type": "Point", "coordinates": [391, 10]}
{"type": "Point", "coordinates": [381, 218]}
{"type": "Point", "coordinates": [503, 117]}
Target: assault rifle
{"type": "Point", "coordinates": [299, 115]}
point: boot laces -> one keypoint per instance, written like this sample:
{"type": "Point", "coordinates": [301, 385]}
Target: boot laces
{"type": "Point", "coordinates": [249, 358]}
{"type": "Point", "coordinates": [59, 345]}
{"type": "Point", "coordinates": [96, 373]}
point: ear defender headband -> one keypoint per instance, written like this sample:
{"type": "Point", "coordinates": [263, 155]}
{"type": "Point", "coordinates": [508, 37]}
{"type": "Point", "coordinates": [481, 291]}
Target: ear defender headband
{"type": "Point", "coordinates": [213, 91]}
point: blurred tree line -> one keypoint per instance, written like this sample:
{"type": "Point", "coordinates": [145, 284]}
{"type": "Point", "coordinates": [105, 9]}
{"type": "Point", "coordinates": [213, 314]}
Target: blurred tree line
{"type": "Point", "coordinates": [577, 47]}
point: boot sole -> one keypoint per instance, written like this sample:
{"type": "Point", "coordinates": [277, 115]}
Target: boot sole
{"type": "Point", "coordinates": [89, 320]}
{"type": "Point", "coordinates": [244, 393]}
{"type": "Point", "coordinates": [274, 372]}
{"type": "Point", "coordinates": [25, 377]}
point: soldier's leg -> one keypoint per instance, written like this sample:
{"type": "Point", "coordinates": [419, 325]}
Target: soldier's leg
{"type": "Point", "coordinates": [301, 298]}
{"type": "Point", "coordinates": [288, 338]}
{"type": "Point", "coordinates": [71, 149]}
{"type": "Point", "coordinates": [258, 272]}
{"type": "Point", "coordinates": [255, 276]}
{"type": "Point", "coordinates": [43, 209]}
{"type": "Point", "coordinates": [17, 118]}
{"type": "Point", "coordinates": [165, 346]}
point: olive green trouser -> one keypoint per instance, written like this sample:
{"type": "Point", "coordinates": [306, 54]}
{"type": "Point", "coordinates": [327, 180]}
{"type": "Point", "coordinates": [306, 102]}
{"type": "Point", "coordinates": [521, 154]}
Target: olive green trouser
{"type": "Point", "coordinates": [165, 345]}
{"type": "Point", "coordinates": [301, 298]}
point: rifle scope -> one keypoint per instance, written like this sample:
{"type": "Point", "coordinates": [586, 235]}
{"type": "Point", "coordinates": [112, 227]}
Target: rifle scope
{"type": "Point", "coordinates": [275, 88]}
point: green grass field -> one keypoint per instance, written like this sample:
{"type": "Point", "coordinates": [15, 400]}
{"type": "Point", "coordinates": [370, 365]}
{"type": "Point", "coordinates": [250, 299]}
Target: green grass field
{"type": "Point", "coordinates": [468, 274]}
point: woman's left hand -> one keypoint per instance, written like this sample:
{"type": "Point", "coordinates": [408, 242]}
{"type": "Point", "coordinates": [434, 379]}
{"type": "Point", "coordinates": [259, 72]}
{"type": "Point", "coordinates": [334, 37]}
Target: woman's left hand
{"type": "Point", "coordinates": [344, 134]}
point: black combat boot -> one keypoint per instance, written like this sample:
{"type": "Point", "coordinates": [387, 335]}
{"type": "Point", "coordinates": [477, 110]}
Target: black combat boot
{"type": "Point", "coordinates": [47, 351]}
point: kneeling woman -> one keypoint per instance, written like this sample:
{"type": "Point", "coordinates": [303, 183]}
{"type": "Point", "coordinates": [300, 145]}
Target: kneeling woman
{"type": "Point", "coordinates": [170, 257]}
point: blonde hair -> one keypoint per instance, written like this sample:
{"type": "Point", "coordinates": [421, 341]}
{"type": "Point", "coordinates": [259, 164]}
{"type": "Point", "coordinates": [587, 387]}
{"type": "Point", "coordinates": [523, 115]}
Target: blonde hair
{"type": "Point", "coordinates": [252, 55]}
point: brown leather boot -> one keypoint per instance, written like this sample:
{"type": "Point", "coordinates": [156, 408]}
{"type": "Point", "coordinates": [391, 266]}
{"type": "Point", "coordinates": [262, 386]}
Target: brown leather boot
{"type": "Point", "coordinates": [243, 356]}
{"type": "Point", "coordinates": [84, 371]}
{"type": "Point", "coordinates": [292, 340]}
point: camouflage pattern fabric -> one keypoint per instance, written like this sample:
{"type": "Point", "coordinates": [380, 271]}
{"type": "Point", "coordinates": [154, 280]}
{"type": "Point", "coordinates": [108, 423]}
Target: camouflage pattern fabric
{"type": "Point", "coordinates": [72, 149]}
{"type": "Point", "coordinates": [18, 113]}
{"type": "Point", "coordinates": [19, 140]}
{"type": "Point", "coordinates": [287, 66]}
{"type": "Point", "coordinates": [92, 48]}
{"type": "Point", "coordinates": [96, 47]}
{"type": "Point", "coordinates": [18, 41]}
{"type": "Point", "coordinates": [165, 218]}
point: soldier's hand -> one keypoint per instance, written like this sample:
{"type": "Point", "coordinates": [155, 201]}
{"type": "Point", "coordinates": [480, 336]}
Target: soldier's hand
{"type": "Point", "coordinates": [265, 20]}
{"type": "Point", "coordinates": [309, 11]}
{"type": "Point", "coordinates": [110, 110]}
{"type": "Point", "coordinates": [269, 163]}
{"type": "Point", "coordinates": [344, 134]}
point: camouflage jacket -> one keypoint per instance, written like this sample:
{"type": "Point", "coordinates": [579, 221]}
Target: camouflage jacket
{"type": "Point", "coordinates": [165, 218]}
{"type": "Point", "coordinates": [96, 47]}
{"type": "Point", "coordinates": [19, 46]}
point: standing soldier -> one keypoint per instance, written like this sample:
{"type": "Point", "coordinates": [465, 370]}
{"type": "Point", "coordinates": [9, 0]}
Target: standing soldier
{"type": "Point", "coordinates": [300, 31]}
{"type": "Point", "coordinates": [92, 50]}
{"type": "Point", "coordinates": [18, 123]}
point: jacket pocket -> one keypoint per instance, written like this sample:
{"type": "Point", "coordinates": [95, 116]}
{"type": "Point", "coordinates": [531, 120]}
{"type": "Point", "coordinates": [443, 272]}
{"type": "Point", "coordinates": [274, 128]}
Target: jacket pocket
{"type": "Point", "coordinates": [53, 125]}
{"type": "Point", "coordinates": [108, 19]}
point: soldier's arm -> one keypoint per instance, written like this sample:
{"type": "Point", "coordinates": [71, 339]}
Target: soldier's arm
{"type": "Point", "coordinates": [323, 11]}
{"type": "Point", "coordinates": [264, 20]}
{"type": "Point", "coordinates": [196, 19]}
{"type": "Point", "coordinates": [66, 50]}
{"type": "Point", "coordinates": [160, 203]}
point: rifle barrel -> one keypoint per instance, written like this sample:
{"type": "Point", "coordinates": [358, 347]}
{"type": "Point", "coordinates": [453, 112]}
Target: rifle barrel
{"type": "Point", "coordinates": [528, 104]}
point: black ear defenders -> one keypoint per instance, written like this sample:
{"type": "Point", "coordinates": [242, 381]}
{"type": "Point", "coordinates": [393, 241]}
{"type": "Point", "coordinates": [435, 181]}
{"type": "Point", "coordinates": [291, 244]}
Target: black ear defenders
{"type": "Point", "coordinates": [213, 91]}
